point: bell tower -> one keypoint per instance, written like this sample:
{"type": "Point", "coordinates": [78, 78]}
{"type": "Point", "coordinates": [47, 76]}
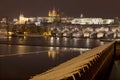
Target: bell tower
{"type": "Point", "coordinates": [21, 19]}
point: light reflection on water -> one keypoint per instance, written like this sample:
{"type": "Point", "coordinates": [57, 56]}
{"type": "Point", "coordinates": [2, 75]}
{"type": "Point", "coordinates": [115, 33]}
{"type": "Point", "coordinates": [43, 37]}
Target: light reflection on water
{"type": "Point", "coordinates": [19, 62]}
{"type": "Point", "coordinates": [53, 52]}
{"type": "Point", "coordinates": [56, 42]}
{"type": "Point", "coordinates": [25, 61]}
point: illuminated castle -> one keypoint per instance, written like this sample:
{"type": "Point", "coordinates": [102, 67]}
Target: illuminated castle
{"type": "Point", "coordinates": [22, 19]}
{"type": "Point", "coordinates": [55, 16]}
{"type": "Point", "coordinates": [53, 13]}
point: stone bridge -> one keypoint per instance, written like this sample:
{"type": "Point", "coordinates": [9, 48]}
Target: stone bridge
{"type": "Point", "coordinates": [92, 65]}
{"type": "Point", "coordinates": [90, 32]}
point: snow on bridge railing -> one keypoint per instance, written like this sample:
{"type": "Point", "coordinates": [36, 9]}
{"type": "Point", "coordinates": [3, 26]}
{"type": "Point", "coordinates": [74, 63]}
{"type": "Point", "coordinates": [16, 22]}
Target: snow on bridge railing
{"type": "Point", "coordinates": [77, 67]}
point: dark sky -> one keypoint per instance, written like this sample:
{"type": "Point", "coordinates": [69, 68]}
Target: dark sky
{"type": "Point", "coordinates": [89, 8]}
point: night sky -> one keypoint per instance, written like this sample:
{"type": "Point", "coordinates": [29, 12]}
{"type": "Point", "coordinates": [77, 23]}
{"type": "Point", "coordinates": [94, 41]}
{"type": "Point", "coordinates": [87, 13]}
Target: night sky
{"type": "Point", "coordinates": [89, 8]}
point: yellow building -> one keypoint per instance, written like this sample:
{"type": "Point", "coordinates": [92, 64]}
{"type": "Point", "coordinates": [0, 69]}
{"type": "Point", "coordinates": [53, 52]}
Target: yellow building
{"type": "Point", "coordinates": [53, 13]}
{"type": "Point", "coordinates": [22, 19]}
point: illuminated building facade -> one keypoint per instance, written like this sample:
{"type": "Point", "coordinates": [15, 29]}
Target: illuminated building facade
{"type": "Point", "coordinates": [90, 21]}
{"type": "Point", "coordinates": [23, 20]}
{"type": "Point", "coordinates": [54, 15]}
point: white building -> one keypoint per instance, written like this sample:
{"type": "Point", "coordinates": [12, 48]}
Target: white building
{"type": "Point", "coordinates": [84, 21]}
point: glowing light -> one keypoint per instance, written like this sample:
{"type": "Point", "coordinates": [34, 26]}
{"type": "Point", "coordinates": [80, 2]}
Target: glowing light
{"type": "Point", "coordinates": [58, 38]}
{"type": "Point", "coordinates": [25, 33]}
{"type": "Point", "coordinates": [86, 34]}
{"type": "Point", "coordinates": [10, 33]}
{"type": "Point", "coordinates": [99, 35]}
{"type": "Point", "coordinates": [48, 33]}
{"type": "Point", "coordinates": [52, 53]}
{"type": "Point", "coordinates": [24, 37]}
{"type": "Point", "coordinates": [9, 37]}
{"type": "Point", "coordinates": [65, 38]}
{"type": "Point", "coordinates": [51, 40]}
{"type": "Point", "coordinates": [88, 42]}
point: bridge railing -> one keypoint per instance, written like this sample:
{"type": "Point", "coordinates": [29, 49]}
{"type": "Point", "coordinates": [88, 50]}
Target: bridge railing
{"type": "Point", "coordinates": [87, 66]}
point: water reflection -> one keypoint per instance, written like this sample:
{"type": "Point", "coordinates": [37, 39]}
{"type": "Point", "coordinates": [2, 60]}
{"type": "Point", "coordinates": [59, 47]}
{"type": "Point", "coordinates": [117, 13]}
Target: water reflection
{"type": "Point", "coordinates": [81, 50]}
{"type": "Point", "coordinates": [56, 41]}
{"type": "Point", "coordinates": [51, 40]}
{"type": "Point", "coordinates": [52, 53]}
{"type": "Point", "coordinates": [37, 55]}
{"type": "Point", "coordinates": [65, 41]}
{"type": "Point", "coordinates": [88, 42]}
{"type": "Point", "coordinates": [21, 49]}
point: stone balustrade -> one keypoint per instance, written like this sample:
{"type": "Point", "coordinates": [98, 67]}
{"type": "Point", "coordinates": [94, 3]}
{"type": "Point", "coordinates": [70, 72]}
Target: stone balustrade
{"type": "Point", "coordinates": [87, 66]}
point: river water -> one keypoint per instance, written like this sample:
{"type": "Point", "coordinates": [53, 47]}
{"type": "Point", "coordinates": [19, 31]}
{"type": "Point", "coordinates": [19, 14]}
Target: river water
{"type": "Point", "coordinates": [24, 57]}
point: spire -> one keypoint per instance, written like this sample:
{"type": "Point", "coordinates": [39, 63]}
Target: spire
{"type": "Point", "coordinates": [21, 18]}
{"type": "Point", "coordinates": [81, 16]}
{"type": "Point", "coordinates": [49, 13]}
